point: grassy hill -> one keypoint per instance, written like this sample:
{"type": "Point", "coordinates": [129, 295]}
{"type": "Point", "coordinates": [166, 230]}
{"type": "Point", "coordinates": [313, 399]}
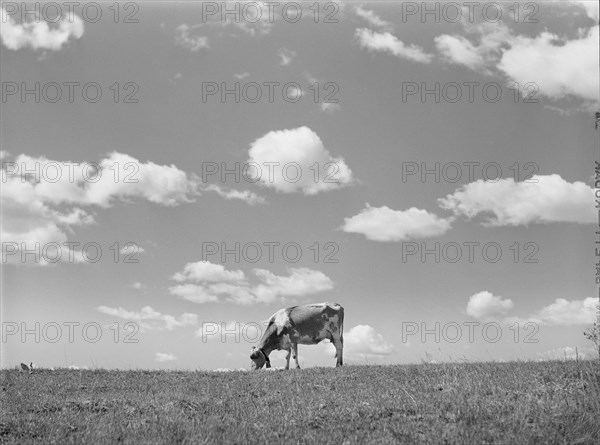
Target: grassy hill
{"type": "Point", "coordinates": [541, 402]}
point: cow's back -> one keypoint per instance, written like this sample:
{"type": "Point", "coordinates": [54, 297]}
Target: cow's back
{"type": "Point", "coordinates": [316, 322]}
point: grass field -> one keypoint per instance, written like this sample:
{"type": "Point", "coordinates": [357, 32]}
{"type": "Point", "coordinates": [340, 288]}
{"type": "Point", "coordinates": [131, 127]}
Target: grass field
{"type": "Point", "coordinates": [519, 402]}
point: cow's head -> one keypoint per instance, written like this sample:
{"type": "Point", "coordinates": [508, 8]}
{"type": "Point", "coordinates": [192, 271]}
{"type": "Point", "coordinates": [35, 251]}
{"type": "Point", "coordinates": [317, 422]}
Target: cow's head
{"type": "Point", "coordinates": [259, 358]}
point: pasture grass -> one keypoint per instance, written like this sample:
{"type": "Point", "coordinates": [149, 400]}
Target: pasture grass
{"type": "Point", "coordinates": [518, 402]}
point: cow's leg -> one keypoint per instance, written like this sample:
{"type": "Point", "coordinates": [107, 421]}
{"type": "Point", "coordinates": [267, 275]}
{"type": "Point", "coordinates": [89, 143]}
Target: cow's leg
{"type": "Point", "coordinates": [295, 352]}
{"type": "Point", "coordinates": [339, 350]}
{"type": "Point", "coordinates": [287, 358]}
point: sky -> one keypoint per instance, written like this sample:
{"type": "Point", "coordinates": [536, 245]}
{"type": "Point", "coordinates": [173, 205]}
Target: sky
{"type": "Point", "coordinates": [173, 173]}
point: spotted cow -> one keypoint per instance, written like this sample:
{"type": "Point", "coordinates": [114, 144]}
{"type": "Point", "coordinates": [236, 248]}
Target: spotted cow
{"type": "Point", "coordinates": [304, 325]}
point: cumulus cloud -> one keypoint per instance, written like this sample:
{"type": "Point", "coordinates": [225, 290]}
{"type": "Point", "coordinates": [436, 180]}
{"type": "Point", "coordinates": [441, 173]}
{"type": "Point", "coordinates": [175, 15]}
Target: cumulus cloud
{"type": "Point", "coordinates": [490, 39]}
{"type": "Point", "coordinates": [205, 282]}
{"type": "Point", "coordinates": [562, 312]}
{"type": "Point", "coordinates": [486, 306]}
{"type": "Point", "coordinates": [39, 34]}
{"type": "Point", "coordinates": [371, 18]}
{"type": "Point", "coordinates": [560, 66]}
{"type": "Point", "coordinates": [388, 43]}
{"type": "Point", "coordinates": [291, 155]}
{"type": "Point", "coordinates": [384, 224]}
{"type": "Point", "coordinates": [364, 340]}
{"type": "Point", "coordinates": [150, 319]}
{"type": "Point", "coordinates": [46, 203]}
{"type": "Point", "coordinates": [542, 199]}
{"type": "Point", "coordinates": [164, 357]}
{"type": "Point", "coordinates": [207, 271]}
{"type": "Point", "coordinates": [565, 312]}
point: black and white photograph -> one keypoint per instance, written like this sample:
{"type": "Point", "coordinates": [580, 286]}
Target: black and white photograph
{"type": "Point", "coordinates": [300, 222]}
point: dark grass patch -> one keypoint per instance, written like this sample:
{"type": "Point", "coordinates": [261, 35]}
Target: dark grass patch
{"type": "Point", "coordinates": [519, 402]}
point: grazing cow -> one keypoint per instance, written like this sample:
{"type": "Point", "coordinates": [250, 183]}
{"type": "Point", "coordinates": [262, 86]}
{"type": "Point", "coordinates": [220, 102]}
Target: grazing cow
{"type": "Point", "coordinates": [305, 325]}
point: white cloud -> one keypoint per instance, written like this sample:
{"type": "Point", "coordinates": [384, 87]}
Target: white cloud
{"type": "Point", "coordinates": [490, 39]}
{"type": "Point", "coordinates": [164, 357]}
{"type": "Point", "coordinates": [486, 306]}
{"type": "Point", "coordinates": [286, 56]}
{"type": "Point", "coordinates": [371, 18]}
{"type": "Point", "coordinates": [565, 312]}
{"type": "Point", "coordinates": [542, 199]}
{"type": "Point", "coordinates": [205, 282]}
{"type": "Point", "coordinates": [301, 281]}
{"type": "Point", "coordinates": [46, 204]}
{"type": "Point", "coordinates": [363, 340]}
{"type": "Point", "coordinates": [558, 66]}
{"type": "Point", "coordinates": [207, 271]}
{"type": "Point", "coordinates": [149, 319]}
{"type": "Point", "coordinates": [137, 285]}
{"type": "Point", "coordinates": [186, 39]}
{"type": "Point", "coordinates": [247, 196]}
{"type": "Point", "coordinates": [295, 152]}
{"type": "Point", "coordinates": [384, 224]}
{"type": "Point", "coordinates": [388, 43]}
{"type": "Point", "coordinates": [39, 34]}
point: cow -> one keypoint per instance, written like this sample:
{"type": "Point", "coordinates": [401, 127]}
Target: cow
{"type": "Point", "coordinates": [304, 325]}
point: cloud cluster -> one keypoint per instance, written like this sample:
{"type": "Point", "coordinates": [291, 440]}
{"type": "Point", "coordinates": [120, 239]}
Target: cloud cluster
{"type": "Point", "coordinates": [45, 203]}
{"type": "Point", "coordinates": [205, 282]}
{"type": "Point", "coordinates": [149, 319]}
{"type": "Point", "coordinates": [385, 224]}
{"type": "Point", "coordinates": [566, 313]}
{"type": "Point", "coordinates": [488, 307]}
{"type": "Point", "coordinates": [39, 34]}
{"type": "Point", "coordinates": [542, 199]}
{"type": "Point", "coordinates": [291, 157]}
{"type": "Point", "coordinates": [363, 340]}
{"type": "Point", "coordinates": [560, 66]}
